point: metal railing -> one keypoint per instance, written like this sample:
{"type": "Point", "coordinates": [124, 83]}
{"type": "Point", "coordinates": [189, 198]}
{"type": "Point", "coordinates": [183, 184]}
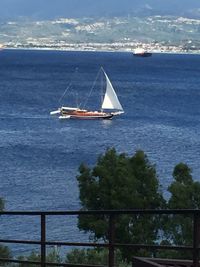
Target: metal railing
{"type": "Point", "coordinates": [110, 245]}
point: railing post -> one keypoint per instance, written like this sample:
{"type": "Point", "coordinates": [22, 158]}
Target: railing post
{"type": "Point", "coordinates": [111, 262]}
{"type": "Point", "coordinates": [196, 238]}
{"type": "Point", "coordinates": [43, 240]}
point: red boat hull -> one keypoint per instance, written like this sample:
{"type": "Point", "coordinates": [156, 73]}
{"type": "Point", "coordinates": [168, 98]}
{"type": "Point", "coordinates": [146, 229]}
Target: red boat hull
{"type": "Point", "coordinates": [86, 115]}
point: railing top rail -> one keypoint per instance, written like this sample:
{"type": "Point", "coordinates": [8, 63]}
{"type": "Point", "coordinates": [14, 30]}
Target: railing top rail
{"type": "Point", "coordinates": [105, 212]}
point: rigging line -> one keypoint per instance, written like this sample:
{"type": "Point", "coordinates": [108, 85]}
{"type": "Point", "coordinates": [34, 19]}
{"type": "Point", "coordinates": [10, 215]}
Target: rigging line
{"type": "Point", "coordinates": [91, 88]}
{"type": "Point", "coordinates": [65, 92]}
{"type": "Point", "coordinates": [68, 87]}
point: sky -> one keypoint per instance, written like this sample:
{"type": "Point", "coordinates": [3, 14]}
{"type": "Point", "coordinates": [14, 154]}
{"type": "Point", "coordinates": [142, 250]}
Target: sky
{"type": "Point", "coordinates": [45, 9]}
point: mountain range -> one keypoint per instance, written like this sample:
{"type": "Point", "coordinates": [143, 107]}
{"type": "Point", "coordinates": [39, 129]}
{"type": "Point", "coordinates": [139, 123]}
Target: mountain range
{"type": "Point", "coordinates": [49, 9]}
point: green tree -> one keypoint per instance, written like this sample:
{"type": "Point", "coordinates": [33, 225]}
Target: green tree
{"type": "Point", "coordinates": [97, 256]}
{"type": "Point", "coordinates": [34, 257]}
{"type": "Point", "coordinates": [4, 250]}
{"type": "Point", "coordinates": [53, 256]}
{"type": "Point", "coordinates": [185, 194]}
{"type": "Point", "coordinates": [121, 182]}
{"type": "Point", "coordinates": [5, 253]}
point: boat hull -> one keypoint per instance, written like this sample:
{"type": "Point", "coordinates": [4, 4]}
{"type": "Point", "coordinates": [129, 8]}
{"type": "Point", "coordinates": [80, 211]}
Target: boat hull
{"type": "Point", "coordinates": [143, 55]}
{"type": "Point", "coordinates": [86, 115]}
{"type": "Point", "coordinates": [107, 117]}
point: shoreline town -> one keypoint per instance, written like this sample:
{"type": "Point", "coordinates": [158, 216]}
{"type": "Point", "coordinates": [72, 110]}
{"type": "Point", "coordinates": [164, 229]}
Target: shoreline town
{"type": "Point", "coordinates": [103, 47]}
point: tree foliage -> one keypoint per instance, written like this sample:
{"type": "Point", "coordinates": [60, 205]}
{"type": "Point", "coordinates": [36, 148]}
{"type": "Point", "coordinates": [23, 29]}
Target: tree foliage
{"type": "Point", "coordinates": [118, 181]}
{"type": "Point", "coordinates": [53, 256]}
{"type": "Point", "coordinates": [4, 250]}
{"type": "Point", "coordinates": [96, 256]}
{"type": "Point", "coordinates": [121, 182]}
{"type": "Point", "coordinates": [5, 253]}
{"type": "Point", "coordinates": [185, 194]}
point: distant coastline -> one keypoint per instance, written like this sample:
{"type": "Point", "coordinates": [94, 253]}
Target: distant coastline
{"type": "Point", "coordinates": [155, 34]}
{"type": "Point", "coordinates": [93, 49]}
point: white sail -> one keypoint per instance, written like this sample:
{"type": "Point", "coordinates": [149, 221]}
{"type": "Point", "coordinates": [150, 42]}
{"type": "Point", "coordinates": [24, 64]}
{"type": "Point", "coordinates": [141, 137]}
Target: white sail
{"type": "Point", "coordinates": [111, 100]}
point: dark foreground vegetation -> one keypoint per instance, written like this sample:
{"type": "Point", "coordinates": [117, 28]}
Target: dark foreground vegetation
{"type": "Point", "coordinates": [118, 182]}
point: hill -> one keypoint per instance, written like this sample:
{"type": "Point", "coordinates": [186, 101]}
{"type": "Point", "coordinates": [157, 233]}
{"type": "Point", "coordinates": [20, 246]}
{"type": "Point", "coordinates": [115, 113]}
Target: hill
{"type": "Point", "coordinates": [50, 9]}
{"type": "Point", "coordinates": [157, 33]}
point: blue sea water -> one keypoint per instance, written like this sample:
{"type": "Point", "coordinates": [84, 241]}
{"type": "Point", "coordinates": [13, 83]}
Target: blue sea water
{"type": "Point", "coordinates": [40, 154]}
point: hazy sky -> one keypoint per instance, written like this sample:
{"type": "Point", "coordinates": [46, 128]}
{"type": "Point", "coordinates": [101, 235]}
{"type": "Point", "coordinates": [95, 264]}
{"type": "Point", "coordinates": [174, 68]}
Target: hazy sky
{"type": "Point", "coordinates": [74, 8]}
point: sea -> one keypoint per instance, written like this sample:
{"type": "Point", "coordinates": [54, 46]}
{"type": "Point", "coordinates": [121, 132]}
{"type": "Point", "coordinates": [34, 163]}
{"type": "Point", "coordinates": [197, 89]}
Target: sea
{"type": "Point", "coordinates": [40, 154]}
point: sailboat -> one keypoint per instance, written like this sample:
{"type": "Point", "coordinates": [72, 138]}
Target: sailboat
{"type": "Point", "coordinates": [110, 106]}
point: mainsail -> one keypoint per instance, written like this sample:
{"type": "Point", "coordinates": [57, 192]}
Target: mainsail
{"type": "Point", "coordinates": [111, 100]}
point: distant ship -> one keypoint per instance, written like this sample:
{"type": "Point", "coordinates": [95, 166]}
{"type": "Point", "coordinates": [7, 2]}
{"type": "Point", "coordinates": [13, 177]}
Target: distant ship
{"type": "Point", "coordinates": [140, 52]}
{"type": "Point", "coordinates": [1, 47]}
